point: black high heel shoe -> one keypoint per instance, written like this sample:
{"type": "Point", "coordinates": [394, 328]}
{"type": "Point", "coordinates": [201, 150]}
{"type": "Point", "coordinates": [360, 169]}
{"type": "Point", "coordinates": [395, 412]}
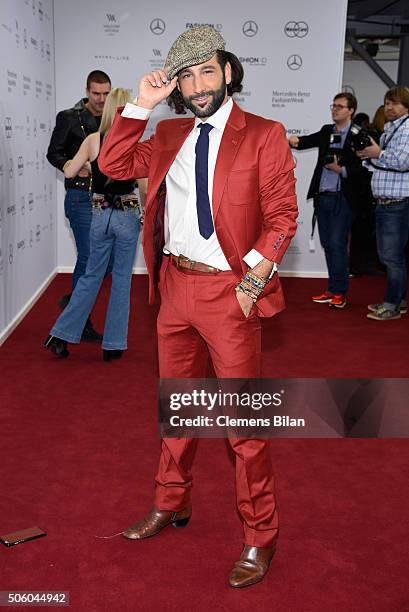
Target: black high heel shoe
{"type": "Point", "coordinates": [107, 355]}
{"type": "Point", "coordinates": [57, 346]}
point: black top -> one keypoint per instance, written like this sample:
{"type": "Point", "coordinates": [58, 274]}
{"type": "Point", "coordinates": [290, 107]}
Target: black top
{"type": "Point", "coordinates": [356, 186]}
{"type": "Point", "coordinates": [102, 184]}
{"type": "Point", "coordinates": [72, 126]}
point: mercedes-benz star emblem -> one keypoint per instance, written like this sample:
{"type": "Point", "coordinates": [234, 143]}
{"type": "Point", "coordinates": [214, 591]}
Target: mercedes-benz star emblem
{"type": "Point", "coordinates": [157, 26]}
{"type": "Point", "coordinates": [296, 29]}
{"type": "Point", "coordinates": [294, 62]}
{"type": "Point", "coordinates": [250, 28]}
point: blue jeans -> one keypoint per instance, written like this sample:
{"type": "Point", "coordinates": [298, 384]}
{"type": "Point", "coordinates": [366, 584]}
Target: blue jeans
{"type": "Point", "coordinates": [112, 232]}
{"type": "Point", "coordinates": [78, 210]}
{"type": "Point", "coordinates": [392, 231]}
{"type": "Point", "coordinates": [334, 217]}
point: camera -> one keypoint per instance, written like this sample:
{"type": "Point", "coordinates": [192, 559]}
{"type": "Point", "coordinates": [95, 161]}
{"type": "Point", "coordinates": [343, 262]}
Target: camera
{"type": "Point", "coordinates": [335, 139]}
{"type": "Point", "coordinates": [360, 137]}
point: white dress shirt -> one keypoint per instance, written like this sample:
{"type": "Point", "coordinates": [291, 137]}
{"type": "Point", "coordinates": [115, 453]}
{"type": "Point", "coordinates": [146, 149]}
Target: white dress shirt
{"type": "Point", "coordinates": [182, 236]}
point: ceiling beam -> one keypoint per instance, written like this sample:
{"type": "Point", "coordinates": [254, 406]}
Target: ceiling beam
{"type": "Point", "coordinates": [363, 53]}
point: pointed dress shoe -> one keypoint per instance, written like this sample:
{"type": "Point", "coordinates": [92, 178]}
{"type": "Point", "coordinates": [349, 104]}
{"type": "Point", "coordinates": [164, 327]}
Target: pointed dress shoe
{"type": "Point", "coordinates": [57, 346]}
{"type": "Point", "coordinates": [252, 566]}
{"type": "Point", "coordinates": [157, 520]}
{"type": "Point", "coordinates": [109, 354]}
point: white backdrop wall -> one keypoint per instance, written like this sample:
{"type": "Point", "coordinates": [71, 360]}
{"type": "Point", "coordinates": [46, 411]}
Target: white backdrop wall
{"type": "Point", "coordinates": [27, 182]}
{"type": "Point", "coordinates": [292, 54]}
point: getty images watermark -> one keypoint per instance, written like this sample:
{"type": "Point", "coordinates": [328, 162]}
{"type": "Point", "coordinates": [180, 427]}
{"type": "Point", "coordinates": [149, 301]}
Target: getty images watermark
{"type": "Point", "coordinates": [254, 408]}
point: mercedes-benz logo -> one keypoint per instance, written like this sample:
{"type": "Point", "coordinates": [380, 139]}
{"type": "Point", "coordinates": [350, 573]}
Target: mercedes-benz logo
{"type": "Point", "coordinates": [250, 28]}
{"type": "Point", "coordinates": [157, 26]}
{"type": "Point", "coordinates": [296, 29]}
{"type": "Point", "coordinates": [294, 62]}
{"type": "Point", "coordinates": [348, 89]}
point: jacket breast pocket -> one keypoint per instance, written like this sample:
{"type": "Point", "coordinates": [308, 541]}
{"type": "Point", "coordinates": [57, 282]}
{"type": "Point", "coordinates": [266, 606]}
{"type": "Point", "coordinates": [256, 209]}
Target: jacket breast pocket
{"type": "Point", "coordinates": [242, 186]}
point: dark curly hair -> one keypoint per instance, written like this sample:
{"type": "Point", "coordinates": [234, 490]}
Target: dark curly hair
{"type": "Point", "coordinates": [175, 99]}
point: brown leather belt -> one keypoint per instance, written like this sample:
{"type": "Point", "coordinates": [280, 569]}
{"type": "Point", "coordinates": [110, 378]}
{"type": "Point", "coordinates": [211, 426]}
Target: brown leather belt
{"type": "Point", "coordinates": [390, 200]}
{"type": "Point", "coordinates": [183, 262]}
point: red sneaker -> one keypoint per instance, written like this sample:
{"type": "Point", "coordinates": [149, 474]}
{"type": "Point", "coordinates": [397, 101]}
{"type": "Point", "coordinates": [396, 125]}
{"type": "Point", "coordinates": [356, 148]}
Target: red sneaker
{"type": "Point", "coordinates": [338, 301]}
{"type": "Point", "coordinates": [323, 298]}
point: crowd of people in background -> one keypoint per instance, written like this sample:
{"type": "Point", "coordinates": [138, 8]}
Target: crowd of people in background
{"type": "Point", "coordinates": [360, 190]}
{"type": "Point", "coordinates": [360, 193]}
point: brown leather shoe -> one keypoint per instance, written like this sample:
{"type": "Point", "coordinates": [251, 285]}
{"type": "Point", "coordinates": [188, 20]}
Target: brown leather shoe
{"type": "Point", "coordinates": [252, 566]}
{"type": "Point", "coordinates": [157, 520]}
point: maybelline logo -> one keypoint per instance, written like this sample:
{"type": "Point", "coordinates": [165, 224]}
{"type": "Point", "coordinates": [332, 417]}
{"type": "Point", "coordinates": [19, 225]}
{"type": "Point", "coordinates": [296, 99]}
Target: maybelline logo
{"type": "Point", "coordinates": [294, 62]}
{"type": "Point", "coordinates": [20, 165]}
{"type": "Point", "coordinates": [216, 26]}
{"type": "Point", "coordinates": [296, 29]}
{"type": "Point", "coordinates": [250, 28]}
{"type": "Point", "coordinates": [21, 244]}
{"type": "Point", "coordinates": [11, 210]}
{"type": "Point", "coordinates": [8, 127]}
{"type": "Point", "coordinates": [157, 52]}
{"type": "Point", "coordinates": [254, 61]}
{"type": "Point", "coordinates": [157, 26]}
{"type": "Point", "coordinates": [111, 18]}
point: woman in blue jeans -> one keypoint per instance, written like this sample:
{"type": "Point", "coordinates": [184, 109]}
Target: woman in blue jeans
{"type": "Point", "coordinates": [114, 230]}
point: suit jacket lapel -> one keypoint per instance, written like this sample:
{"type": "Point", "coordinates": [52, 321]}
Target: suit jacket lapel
{"type": "Point", "coordinates": [233, 135]}
{"type": "Point", "coordinates": [167, 155]}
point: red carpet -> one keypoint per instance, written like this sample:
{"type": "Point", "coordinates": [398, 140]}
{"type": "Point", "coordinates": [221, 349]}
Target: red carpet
{"type": "Point", "coordinates": [79, 449]}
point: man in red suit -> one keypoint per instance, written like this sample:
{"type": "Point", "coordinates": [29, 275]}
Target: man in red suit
{"type": "Point", "coordinates": [220, 212]}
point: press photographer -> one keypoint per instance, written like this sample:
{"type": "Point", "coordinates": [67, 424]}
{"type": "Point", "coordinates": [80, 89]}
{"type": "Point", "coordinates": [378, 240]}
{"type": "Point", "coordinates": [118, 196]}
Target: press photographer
{"type": "Point", "coordinates": [338, 186]}
{"type": "Point", "coordinates": [390, 184]}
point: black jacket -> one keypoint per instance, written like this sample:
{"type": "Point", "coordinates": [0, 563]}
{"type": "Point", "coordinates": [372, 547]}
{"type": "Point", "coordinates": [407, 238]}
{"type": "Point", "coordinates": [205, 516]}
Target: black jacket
{"type": "Point", "coordinates": [71, 128]}
{"type": "Point", "coordinates": [356, 186]}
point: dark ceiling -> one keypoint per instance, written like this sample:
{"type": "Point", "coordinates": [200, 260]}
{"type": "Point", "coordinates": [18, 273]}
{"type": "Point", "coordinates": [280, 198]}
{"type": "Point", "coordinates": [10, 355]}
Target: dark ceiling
{"type": "Point", "coordinates": [378, 18]}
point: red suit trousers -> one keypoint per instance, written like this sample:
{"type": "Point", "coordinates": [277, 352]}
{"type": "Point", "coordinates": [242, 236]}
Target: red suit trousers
{"type": "Point", "coordinates": [198, 310]}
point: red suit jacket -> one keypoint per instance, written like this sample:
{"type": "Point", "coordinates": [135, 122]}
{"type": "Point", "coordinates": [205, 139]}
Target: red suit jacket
{"type": "Point", "coordinates": [254, 202]}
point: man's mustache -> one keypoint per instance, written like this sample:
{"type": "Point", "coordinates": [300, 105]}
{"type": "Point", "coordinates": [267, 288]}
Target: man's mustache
{"type": "Point", "coordinates": [201, 95]}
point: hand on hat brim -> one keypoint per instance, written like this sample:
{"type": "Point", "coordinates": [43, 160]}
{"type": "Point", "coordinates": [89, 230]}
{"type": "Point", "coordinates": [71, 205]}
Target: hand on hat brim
{"type": "Point", "coordinates": [155, 87]}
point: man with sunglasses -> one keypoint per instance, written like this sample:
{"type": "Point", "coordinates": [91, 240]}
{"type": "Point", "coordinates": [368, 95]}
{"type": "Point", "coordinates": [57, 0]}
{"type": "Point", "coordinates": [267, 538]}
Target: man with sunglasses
{"type": "Point", "coordinates": [338, 185]}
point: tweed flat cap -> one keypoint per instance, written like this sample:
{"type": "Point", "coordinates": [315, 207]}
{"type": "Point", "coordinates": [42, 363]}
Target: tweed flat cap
{"type": "Point", "coordinates": [194, 46]}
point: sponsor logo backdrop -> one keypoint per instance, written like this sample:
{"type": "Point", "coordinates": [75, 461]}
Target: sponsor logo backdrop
{"type": "Point", "coordinates": [27, 181]}
{"type": "Point", "coordinates": [292, 54]}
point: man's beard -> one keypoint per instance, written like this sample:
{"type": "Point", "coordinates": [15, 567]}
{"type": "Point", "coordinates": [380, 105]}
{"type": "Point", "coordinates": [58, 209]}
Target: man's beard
{"type": "Point", "coordinates": [218, 98]}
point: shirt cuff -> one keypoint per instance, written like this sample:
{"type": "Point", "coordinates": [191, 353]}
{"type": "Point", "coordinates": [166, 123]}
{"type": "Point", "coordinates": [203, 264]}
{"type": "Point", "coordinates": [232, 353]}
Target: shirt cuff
{"type": "Point", "coordinates": [131, 111]}
{"type": "Point", "coordinates": [344, 172]}
{"type": "Point", "coordinates": [253, 257]}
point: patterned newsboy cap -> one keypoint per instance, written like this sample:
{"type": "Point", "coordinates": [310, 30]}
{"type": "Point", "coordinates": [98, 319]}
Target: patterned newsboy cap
{"type": "Point", "coordinates": [194, 46]}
